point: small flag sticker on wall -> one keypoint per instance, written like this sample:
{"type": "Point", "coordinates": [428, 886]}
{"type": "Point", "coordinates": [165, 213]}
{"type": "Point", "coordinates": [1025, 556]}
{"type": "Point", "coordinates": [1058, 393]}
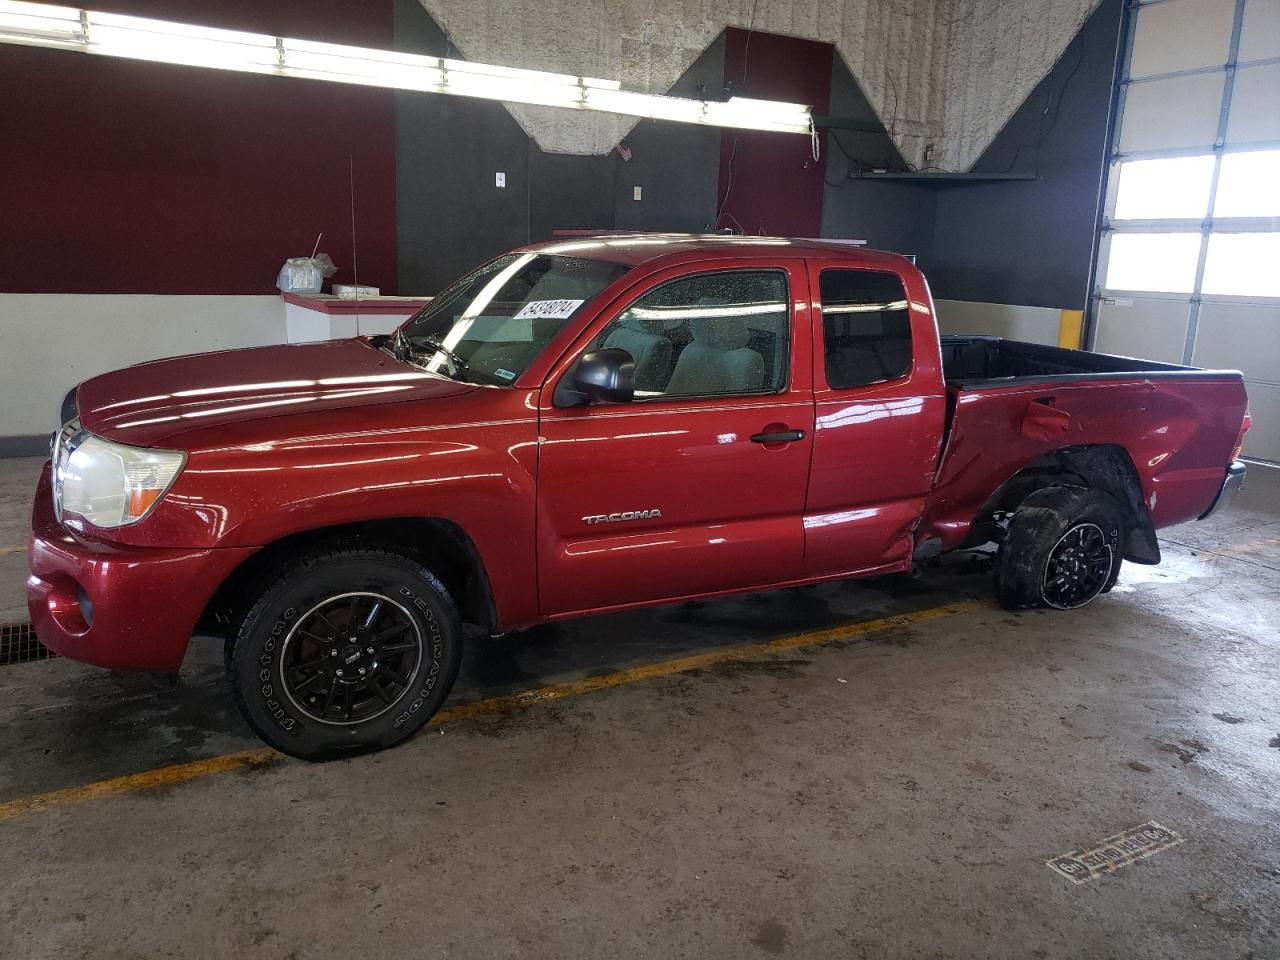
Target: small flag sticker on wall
{"type": "Point", "coordinates": [1136, 843]}
{"type": "Point", "coordinates": [624, 151]}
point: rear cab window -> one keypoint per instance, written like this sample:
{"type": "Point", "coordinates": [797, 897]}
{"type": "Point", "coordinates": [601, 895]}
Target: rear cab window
{"type": "Point", "coordinates": [866, 327]}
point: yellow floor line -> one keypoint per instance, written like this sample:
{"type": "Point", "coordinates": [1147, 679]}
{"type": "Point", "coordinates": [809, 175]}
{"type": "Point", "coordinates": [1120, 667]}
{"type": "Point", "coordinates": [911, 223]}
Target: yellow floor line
{"type": "Point", "coordinates": [666, 668]}
{"type": "Point", "coordinates": [182, 772]}
{"type": "Point", "coordinates": [4, 550]}
{"type": "Point", "coordinates": [160, 777]}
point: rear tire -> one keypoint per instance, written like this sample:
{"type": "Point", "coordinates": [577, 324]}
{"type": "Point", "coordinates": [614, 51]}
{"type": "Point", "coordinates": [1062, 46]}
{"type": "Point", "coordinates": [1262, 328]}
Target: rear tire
{"type": "Point", "coordinates": [346, 652]}
{"type": "Point", "coordinates": [1062, 549]}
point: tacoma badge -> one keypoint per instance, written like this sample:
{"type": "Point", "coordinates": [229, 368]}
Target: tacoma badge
{"type": "Point", "coordinates": [653, 514]}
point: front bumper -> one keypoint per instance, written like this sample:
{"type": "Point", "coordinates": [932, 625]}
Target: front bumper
{"type": "Point", "coordinates": [1230, 486]}
{"type": "Point", "coordinates": [123, 607]}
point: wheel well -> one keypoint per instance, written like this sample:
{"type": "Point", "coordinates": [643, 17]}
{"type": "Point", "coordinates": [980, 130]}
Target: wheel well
{"type": "Point", "coordinates": [1104, 467]}
{"type": "Point", "coordinates": [440, 545]}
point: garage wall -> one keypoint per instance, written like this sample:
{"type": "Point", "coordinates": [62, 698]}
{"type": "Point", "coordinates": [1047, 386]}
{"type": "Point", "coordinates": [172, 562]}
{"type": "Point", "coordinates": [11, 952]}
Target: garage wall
{"type": "Point", "coordinates": [771, 183]}
{"type": "Point", "coordinates": [1003, 257]}
{"type": "Point", "coordinates": [1030, 243]}
{"type": "Point", "coordinates": [121, 180]}
{"type": "Point", "coordinates": [120, 176]}
{"type": "Point", "coordinates": [448, 149]}
{"type": "Point", "coordinates": [60, 340]}
{"type": "Point", "coordinates": [896, 48]}
{"type": "Point", "coordinates": [998, 51]}
{"type": "Point", "coordinates": [1014, 322]}
{"type": "Point", "coordinates": [203, 210]}
{"type": "Point", "coordinates": [889, 215]}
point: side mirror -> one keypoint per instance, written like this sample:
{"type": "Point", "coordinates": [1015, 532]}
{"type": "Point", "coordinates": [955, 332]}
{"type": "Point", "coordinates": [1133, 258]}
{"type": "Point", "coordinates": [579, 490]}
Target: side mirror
{"type": "Point", "coordinates": [601, 376]}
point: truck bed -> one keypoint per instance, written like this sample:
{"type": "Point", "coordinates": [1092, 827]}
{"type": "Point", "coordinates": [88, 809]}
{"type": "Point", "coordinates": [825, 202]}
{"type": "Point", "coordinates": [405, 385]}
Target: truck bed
{"type": "Point", "coordinates": [1015, 404]}
{"type": "Point", "coordinates": [973, 362]}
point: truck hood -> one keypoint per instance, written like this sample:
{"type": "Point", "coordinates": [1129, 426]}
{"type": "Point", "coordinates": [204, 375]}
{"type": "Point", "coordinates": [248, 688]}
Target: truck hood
{"type": "Point", "coordinates": [143, 405]}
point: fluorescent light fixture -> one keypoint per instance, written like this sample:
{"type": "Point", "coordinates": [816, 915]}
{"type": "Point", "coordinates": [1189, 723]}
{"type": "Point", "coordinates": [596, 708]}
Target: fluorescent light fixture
{"type": "Point", "coordinates": [162, 41]}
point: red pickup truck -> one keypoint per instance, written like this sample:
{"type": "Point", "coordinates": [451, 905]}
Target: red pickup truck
{"type": "Point", "coordinates": [584, 426]}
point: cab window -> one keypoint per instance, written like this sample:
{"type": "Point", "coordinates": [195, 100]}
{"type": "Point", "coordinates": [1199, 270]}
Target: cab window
{"type": "Point", "coordinates": [866, 327]}
{"type": "Point", "coordinates": [713, 334]}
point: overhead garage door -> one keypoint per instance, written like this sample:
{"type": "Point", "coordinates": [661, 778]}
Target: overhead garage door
{"type": "Point", "coordinates": [1189, 257]}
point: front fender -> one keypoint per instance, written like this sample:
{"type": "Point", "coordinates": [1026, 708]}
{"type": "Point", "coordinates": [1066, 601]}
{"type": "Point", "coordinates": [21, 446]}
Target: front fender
{"type": "Point", "coordinates": [262, 482]}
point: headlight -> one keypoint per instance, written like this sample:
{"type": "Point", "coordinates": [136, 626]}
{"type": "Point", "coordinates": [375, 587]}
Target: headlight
{"type": "Point", "coordinates": [110, 484]}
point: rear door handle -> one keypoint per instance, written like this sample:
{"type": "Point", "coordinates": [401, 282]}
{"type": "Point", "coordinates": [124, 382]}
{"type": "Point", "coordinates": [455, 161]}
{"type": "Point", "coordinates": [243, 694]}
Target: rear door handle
{"type": "Point", "coordinates": [780, 436]}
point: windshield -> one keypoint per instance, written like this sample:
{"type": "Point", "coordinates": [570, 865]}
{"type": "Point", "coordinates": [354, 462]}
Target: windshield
{"type": "Point", "coordinates": [489, 326]}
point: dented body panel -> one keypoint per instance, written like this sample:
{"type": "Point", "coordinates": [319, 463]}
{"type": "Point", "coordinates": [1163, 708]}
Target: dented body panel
{"type": "Point", "coordinates": [1178, 433]}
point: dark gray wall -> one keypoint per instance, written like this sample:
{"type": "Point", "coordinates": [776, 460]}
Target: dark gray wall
{"type": "Point", "coordinates": [451, 216]}
{"type": "Point", "coordinates": [1031, 242]}
{"type": "Point", "coordinates": [889, 216]}
{"type": "Point", "coordinates": [677, 165]}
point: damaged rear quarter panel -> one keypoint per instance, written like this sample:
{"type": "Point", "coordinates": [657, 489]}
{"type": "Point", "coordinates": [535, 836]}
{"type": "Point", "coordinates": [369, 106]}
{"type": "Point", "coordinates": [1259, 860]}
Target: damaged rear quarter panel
{"type": "Point", "coordinates": [1178, 433]}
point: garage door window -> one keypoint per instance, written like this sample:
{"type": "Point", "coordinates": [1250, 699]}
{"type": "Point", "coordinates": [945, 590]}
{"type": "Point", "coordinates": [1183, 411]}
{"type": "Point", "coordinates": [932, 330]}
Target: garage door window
{"type": "Point", "coordinates": [866, 327]}
{"type": "Point", "coordinates": [1190, 236]}
{"type": "Point", "coordinates": [713, 334]}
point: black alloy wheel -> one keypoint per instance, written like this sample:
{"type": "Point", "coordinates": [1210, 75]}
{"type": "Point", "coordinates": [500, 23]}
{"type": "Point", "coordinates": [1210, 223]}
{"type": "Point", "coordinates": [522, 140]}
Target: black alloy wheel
{"type": "Point", "coordinates": [1062, 549]}
{"type": "Point", "coordinates": [346, 650]}
{"type": "Point", "coordinates": [351, 657]}
{"type": "Point", "coordinates": [1078, 567]}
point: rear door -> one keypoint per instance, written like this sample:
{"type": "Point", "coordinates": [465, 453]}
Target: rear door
{"type": "Point", "coordinates": [699, 484]}
{"type": "Point", "coordinates": [880, 413]}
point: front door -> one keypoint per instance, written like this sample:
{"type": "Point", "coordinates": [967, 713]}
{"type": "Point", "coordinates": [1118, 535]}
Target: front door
{"type": "Point", "coordinates": [699, 484]}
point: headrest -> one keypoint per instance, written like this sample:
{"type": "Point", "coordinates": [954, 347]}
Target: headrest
{"type": "Point", "coordinates": [722, 333]}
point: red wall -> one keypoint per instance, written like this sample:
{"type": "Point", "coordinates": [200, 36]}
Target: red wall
{"type": "Point", "coordinates": [118, 176]}
{"type": "Point", "coordinates": [769, 182]}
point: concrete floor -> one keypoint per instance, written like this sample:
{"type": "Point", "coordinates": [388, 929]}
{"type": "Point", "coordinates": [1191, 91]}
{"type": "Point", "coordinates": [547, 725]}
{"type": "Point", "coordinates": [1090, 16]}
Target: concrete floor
{"type": "Point", "coordinates": [894, 795]}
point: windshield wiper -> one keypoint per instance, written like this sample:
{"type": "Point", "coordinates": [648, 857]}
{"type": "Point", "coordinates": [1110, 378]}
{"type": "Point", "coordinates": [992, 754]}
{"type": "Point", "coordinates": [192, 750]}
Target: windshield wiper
{"type": "Point", "coordinates": [439, 347]}
{"type": "Point", "coordinates": [399, 346]}
{"type": "Point", "coordinates": [458, 362]}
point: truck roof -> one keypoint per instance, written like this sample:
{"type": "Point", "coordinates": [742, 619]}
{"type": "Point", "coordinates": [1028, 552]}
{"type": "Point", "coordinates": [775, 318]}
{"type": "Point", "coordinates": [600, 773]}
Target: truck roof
{"type": "Point", "coordinates": [634, 249]}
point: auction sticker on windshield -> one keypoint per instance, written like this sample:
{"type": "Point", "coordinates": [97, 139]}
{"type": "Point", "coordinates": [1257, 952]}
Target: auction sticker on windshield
{"type": "Point", "coordinates": [549, 309]}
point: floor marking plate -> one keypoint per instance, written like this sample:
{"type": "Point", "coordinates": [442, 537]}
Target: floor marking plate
{"type": "Point", "coordinates": [1126, 847]}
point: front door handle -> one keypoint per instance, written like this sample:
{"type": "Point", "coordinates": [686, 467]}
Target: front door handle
{"type": "Point", "coordinates": [778, 436]}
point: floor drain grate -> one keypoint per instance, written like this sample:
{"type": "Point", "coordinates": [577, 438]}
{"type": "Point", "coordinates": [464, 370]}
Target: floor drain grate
{"type": "Point", "coordinates": [18, 644]}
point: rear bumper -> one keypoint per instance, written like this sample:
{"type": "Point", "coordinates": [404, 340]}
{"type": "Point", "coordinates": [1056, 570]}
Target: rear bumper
{"type": "Point", "coordinates": [1230, 486]}
{"type": "Point", "coordinates": [122, 607]}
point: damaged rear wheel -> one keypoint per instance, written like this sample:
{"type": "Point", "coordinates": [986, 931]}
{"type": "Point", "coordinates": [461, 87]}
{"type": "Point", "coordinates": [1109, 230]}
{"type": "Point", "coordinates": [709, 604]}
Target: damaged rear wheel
{"type": "Point", "coordinates": [1062, 549]}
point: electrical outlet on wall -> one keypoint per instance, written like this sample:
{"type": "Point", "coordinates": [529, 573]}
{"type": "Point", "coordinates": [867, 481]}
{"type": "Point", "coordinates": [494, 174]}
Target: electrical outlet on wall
{"type": "Point", "coordinates": [636, 193]}
{"type": "Point", "coordinates": [499, 179]}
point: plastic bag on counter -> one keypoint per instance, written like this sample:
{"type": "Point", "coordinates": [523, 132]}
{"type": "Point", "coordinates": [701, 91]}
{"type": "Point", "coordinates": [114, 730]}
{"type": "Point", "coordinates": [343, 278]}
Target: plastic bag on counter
{"type": "Point", "coordinates": [305, 274]}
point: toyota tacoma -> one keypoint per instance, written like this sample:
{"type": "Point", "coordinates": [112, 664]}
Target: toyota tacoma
{"type": "Point", "coordinates": [583, 426]}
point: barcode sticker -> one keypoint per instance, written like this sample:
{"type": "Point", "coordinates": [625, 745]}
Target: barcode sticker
{"type": "Point", "coordinates": [549, 309]}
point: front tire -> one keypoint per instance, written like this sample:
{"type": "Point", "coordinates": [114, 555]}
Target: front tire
{"type": "Point", "coordinates": [1062, 549]}
{"type": "Point", "coordinates": [345, 652]}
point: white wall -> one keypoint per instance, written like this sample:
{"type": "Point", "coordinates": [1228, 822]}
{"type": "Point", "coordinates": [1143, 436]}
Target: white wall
{"type": "Point", "coordinates": [50, 342]}
{"type": "Point", "coordinates": [1033, 324]}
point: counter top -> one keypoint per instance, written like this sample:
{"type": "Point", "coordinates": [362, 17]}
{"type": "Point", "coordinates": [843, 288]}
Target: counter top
{"type": "Point", "coordinates": [328, 303]}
